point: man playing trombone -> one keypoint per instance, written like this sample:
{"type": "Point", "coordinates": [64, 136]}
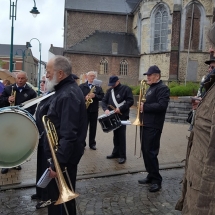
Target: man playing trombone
{"type": "Point", "coordinates": [67, 112]}
{"type": "Point", "coordinates": [153, 113]}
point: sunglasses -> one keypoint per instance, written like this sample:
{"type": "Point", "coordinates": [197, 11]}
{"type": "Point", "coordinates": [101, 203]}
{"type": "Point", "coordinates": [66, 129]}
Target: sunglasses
{"type": "Point", "coordinates": [212, 67]}
{"type": "Point", "coordinates": [42, 81]}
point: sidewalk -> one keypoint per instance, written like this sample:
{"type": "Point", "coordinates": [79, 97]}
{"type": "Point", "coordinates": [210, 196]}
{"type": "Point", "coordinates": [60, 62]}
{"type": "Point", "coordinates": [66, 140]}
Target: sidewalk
{"type": "Point", "coordinates": [95, 164]}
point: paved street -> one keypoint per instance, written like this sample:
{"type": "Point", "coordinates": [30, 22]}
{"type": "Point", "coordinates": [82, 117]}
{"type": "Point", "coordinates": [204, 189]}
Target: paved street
{"type": "Point", "coordinates": [95, 164]}
{"type": "Point", "coordinates": [108, 195]}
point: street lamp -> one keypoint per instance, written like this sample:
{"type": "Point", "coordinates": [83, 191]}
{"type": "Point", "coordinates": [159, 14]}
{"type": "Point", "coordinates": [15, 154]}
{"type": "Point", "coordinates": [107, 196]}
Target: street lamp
{"type": "Point", "coordinates": [13, 9]}
{"type": "Point", "coordinates": [38, 79]}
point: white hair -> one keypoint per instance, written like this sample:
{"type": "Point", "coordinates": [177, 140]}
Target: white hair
{"type": "Point", "coordinates": [92, 72]}
{"type": "Point", "coordinates": [22, 72]}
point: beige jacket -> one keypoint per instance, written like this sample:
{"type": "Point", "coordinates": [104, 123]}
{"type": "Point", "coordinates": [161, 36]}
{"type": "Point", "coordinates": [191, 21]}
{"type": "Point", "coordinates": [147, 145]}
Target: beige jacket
{"type": "Point", "coordinates": [198, 193]}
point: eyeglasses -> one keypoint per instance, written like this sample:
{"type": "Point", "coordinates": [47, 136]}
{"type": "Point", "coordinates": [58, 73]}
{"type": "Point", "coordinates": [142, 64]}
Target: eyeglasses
{"type": "Point", "coordinates": [211, 67]}
{"type": "Point", "coordinates": [42, 81]}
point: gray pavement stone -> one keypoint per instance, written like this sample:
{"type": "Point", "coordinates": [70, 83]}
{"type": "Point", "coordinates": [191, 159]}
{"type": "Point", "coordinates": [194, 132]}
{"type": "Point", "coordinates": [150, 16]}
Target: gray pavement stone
{"type": "Point", "coordinates": [95, 164]}
{"type": "Point", "coordinates": [108, 195]}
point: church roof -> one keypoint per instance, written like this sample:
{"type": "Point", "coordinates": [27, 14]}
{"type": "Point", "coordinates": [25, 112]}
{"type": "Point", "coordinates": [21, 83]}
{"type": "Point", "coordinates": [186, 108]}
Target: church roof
{"type": "Point", "coordinates": [107, 43]}
{"type": "Point", "coordinates": [102, 6]}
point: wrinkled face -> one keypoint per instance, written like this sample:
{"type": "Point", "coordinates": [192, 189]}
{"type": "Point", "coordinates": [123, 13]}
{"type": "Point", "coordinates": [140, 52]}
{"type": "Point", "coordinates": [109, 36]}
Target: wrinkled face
{"type": "Point", "coordinates": [52, 77]}
{"type": "Point", "coordinates": [21, 79]}
{"type": "Point", "coordinates": [211, 67]}
{"type": "Point", "coordinates": [90, 77]}
{"type": "Point", "coordinates": [153, 78]}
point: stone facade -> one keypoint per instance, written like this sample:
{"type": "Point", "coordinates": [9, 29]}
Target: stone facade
{"type": "Point", "coordinates": [175, 61]}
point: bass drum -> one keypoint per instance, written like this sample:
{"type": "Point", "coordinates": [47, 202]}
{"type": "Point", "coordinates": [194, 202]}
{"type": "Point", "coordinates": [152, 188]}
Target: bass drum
{"type": "Point", "coordinates": [19, 136]}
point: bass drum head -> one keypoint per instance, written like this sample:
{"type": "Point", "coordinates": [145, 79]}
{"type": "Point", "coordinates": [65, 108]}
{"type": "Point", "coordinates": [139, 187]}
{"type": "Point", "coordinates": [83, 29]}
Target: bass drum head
{"type": "Point", "coordinates": [19, 138]}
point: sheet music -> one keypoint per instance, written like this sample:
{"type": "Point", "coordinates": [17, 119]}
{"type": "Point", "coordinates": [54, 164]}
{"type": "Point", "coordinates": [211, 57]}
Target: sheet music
{"type": "Point", "coordinates": [44, 179]}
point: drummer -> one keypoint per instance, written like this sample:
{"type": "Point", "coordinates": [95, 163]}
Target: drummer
{"type": "Point", "coordinates": [120, 98]}
{"type": "Point", "coordinates": [23, 93]}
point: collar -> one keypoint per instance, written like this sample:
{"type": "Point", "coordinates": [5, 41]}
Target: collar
{"type": "Point", "coordinates": [68, 79]}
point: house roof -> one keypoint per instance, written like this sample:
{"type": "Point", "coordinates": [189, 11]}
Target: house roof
{"type": "Point", "coordinates": [5, 49]}
{"type": "Point", "coordinates": [102, 6]}
{"type": "Point", "coordinates": [56, 50]}
{"type": "Point", "coordinates": [102, 43]}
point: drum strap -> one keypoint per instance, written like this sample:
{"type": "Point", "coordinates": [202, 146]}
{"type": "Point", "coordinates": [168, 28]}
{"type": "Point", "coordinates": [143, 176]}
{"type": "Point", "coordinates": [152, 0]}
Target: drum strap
{"type": "Point", "coordinates": [114, 100]}
{"type": "Point", "coordinates": [31, 102]}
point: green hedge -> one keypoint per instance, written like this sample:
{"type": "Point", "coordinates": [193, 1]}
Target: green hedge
{"type": "Point", "coordinates": [176, 89]}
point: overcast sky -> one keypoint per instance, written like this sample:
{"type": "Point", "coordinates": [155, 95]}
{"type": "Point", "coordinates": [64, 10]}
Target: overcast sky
{"type": "Point", "coordinates": [47, 27]}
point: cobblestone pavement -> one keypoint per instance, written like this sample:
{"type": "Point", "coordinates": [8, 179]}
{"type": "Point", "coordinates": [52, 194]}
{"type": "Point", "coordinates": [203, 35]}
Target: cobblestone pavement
{"type": "Point", "coordinates": [109, 195]}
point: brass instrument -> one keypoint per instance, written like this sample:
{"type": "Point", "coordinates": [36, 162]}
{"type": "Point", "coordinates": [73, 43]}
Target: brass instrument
{"type": "Point", "coordinates": [89, 101]}
{"type": "Point", "coordinates": [13, 93]}
{"type": "Point", "coordinates": [138, 121]}
{"type": "Point", "coordinates": [65, 193]}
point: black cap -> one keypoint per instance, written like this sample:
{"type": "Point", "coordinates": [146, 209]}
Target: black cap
{"type": "Point", "coordinates": [210, 61]}
{"type": "Point", "coordinates": [75, 76]}
{"type": "Point", "coordinates": [112, 80]}
{"type": "Point", "coordinates": [152, 70]}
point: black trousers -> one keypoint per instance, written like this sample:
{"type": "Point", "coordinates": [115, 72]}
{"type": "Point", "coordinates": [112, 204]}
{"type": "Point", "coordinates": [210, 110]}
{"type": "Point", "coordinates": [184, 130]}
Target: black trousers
{"type": "Point", "coordinates": [119, 141]}
{"type": "Point", "coordinates": [41, 167]}
{"type": "Point", "coordinates": [92, 124]}
{"type": "Point", "coordinates": [53, 194]}
{"type": "Point", "coordinates": [150, 148]}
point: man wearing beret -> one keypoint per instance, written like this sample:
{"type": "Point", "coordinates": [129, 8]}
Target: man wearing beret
{"type": "Point", "coordinates": [121, 98]}
{"type": "Point", "coordinates": [153, 114]}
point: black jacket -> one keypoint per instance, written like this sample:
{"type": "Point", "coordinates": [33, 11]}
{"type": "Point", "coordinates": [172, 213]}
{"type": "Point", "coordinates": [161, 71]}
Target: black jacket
{"type": "Point", "coordinates": [157, 98]}
{"type": "Point", "coordinates": [99, 94]}
{"type": "Point", "coordinates": [26, 94]}
{"type": "Point", "coordinates": [67, 111]}
{"type": "Point", "coordinates": [122, 93]}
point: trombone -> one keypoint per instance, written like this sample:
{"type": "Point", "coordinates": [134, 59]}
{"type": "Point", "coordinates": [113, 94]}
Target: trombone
{"type": "Point", "coordinates": [138, 121]}
{"type": "Point", "coordinates": [65, 193]}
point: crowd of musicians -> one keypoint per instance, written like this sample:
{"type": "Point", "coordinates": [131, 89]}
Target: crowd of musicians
{"type": "Point", "coordinates": [73, 109]}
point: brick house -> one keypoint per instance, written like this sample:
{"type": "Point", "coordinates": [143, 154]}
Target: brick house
{"type": "Point", "coordinates": [23, 61]}
{"type": "Point", "coordinates": [125, 37]}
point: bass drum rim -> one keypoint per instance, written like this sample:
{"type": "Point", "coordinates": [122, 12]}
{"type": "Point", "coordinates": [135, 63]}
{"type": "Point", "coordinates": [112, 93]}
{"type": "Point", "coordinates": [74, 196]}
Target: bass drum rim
{"type": "Point", "coordinates": [17, 149]}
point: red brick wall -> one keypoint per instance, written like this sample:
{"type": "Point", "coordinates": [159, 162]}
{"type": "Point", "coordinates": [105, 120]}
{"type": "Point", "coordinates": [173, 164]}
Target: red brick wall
{"type": "Point", "coordinates": [80, 25]}
{"type": "Point", "coordinates": [84, 63]}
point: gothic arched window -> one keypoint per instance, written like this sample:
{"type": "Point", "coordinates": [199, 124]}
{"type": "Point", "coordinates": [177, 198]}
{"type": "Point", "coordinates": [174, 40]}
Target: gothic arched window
{"type": "Point", "coordinates": [103, 66]}
{"type": "Point", "coordinates": [123, 67]}
{"type": "Point", "coordinates": [160, 28]}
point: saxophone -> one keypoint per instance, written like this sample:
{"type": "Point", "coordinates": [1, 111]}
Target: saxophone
{"type": "Point", "coordinates": [89, 101]}
{"type": "Point", "coordinates": [13, 93]}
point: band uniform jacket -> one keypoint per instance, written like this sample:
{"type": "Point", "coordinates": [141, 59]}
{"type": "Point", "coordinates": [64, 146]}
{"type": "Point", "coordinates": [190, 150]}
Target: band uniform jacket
{"type": "Point", "coordinates": [157, 99]}
{"type": "Point", "coordinates": [67, 111]}
{"type": "Point", "coordinates": [26, 94]}
{"type": "Point", "coordinates": [122, 93]}
{"type": "Point", "coordinates": [99, 94]}
{"type": "Point", "coordinates": [199, 181]}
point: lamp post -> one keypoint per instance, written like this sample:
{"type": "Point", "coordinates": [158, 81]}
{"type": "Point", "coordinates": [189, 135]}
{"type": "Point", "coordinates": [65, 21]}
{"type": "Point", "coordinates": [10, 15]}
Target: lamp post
{"type": "Point", "coordinates": [38, 79]}
{"type": "Point", "coordinates": [13, 9]}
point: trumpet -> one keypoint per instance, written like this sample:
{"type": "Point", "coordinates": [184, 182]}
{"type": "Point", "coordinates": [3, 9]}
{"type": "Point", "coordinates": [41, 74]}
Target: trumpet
{"type": "Point", "coordinates": [138, 121]}
{"type": "Point", "coordinates": [65, 193]}
{"type": "Point", "coordinates": [89, 101]}
{"type": "Point", "coordinates": [13, 93]}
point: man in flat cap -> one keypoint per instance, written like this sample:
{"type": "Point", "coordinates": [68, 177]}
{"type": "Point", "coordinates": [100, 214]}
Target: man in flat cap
{"type": "Point", "coordinates": [153, 112]}
{"type": "Point", "coordinates": [121, 98]}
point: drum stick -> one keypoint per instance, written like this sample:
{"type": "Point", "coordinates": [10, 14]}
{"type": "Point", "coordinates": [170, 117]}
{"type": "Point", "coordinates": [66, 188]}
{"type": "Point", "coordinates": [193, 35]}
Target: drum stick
{"type": "Point", "coordinates": [112, 107]}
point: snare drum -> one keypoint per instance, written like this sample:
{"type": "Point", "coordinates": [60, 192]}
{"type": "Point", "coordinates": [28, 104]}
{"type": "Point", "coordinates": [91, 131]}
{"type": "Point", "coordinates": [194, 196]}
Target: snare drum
{"type": "Point", "coordinates": [109, 122]}
{"type": "Point", "coordinates": [19, 136]}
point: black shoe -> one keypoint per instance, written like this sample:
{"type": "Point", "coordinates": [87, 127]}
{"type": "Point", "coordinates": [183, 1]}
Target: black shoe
{"type": "Point", "coordinates": [35, 196]}
{"type": "Point", "coordinates": [112, 156]}
{"type": "Point", "coordinates": [93, 147]}
{"type": "Point", "coordinates": [17, 168]}
{"type": "Point", "coordinates": [155, 188]}
{"type": "Point", "coordinates": [43, 204]}
{"type": "Point", "coordinates": [121, 160]}
{"type": "Point", "coordinates": [144, 181]}
{"type": "Point", "coordinates": [4, 170]}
